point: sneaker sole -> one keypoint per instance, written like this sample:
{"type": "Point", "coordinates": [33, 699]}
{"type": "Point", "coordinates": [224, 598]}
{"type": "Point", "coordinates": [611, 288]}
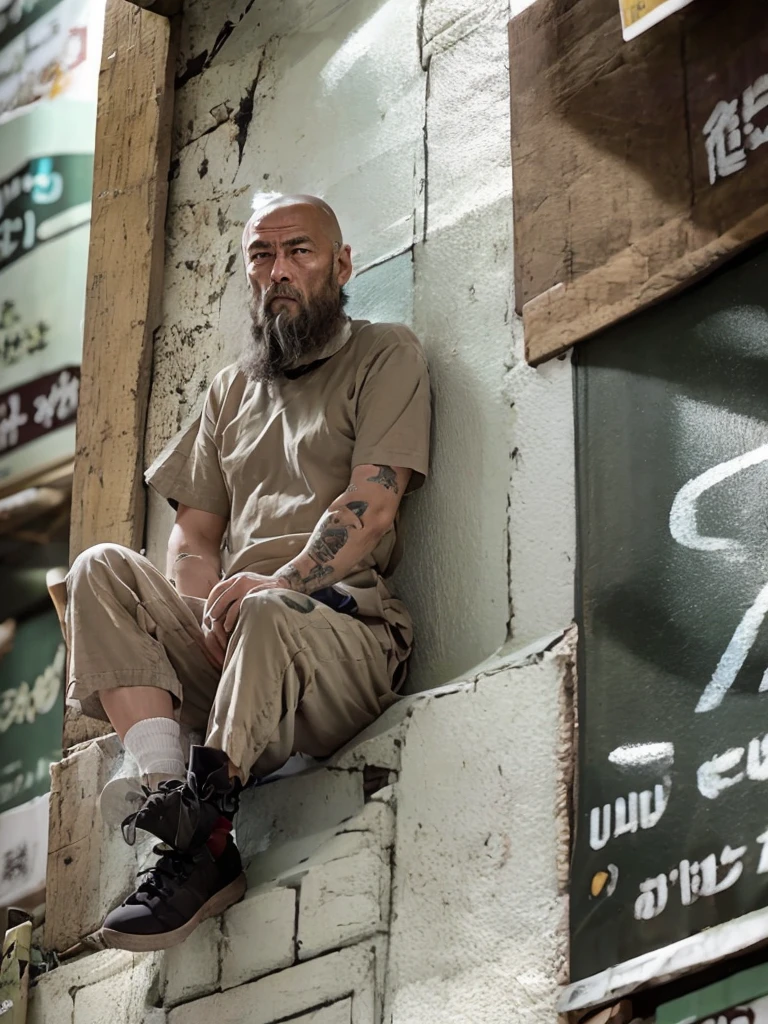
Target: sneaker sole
{"type": "Point", "coordinates": [216, 905]}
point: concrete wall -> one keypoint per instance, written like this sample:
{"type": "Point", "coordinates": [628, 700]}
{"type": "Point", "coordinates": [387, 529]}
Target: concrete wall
{"type": "Point", "coordinates": [397, 111]}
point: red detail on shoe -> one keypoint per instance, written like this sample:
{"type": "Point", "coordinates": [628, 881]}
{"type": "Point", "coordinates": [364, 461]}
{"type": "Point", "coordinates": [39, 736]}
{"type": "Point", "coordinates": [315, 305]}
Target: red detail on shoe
{"type": "Point", "coordinates": [217, 840]}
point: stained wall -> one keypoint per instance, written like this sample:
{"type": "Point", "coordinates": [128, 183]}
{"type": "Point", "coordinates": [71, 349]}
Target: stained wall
{"type": "Point", "coordinates": [397, 112]}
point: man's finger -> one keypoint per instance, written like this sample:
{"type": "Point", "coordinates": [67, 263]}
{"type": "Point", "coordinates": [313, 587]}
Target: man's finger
{"type": "Point", "coordinates": [233, 614]}
{"type": "Point", "coordinates": [218, 590]}
{"type": "Point", "coordinates": [221, 637]}
{"type": "Point", "coordinates": [218, 609]}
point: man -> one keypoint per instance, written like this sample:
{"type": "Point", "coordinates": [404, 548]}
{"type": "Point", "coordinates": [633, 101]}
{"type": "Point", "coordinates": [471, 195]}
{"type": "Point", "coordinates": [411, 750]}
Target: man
{"type": "Point", "coordinates": [273, 632]}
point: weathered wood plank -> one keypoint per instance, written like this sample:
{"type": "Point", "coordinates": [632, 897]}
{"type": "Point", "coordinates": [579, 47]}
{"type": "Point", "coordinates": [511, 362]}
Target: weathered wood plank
{"type": "Point", "coordinates": [567, 314]}
{"type": "Point", "coordinates": [614, 206]}
{"type": "Point", "coordinates": [125, 274]}
{"type": "Point", "coordinates": [125, 270]}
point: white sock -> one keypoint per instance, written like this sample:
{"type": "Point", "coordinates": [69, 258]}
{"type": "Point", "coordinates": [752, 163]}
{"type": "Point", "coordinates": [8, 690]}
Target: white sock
{"type": "Point", "coordinates": [155, 744]}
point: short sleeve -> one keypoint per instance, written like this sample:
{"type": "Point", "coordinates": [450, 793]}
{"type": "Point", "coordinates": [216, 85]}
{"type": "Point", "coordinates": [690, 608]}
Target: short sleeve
{"type": "Point", "coordinates": [188, 470]}
{"type": "Point", "coordinates": [394, 409]}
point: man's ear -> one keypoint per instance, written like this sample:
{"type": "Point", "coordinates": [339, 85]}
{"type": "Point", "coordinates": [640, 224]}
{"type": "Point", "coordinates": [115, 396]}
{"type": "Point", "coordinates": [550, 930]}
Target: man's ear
{"type": "Point", "coordinates": [345, 264]}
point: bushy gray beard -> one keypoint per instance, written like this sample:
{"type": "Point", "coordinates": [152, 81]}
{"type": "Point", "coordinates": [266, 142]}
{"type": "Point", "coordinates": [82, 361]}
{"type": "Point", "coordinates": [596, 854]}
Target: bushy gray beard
{"type": "Point", "coordinates": [280, 341]}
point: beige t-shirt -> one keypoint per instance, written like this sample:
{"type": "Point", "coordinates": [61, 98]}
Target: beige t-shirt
{"type": "Point", "coordinates": [272, 458]}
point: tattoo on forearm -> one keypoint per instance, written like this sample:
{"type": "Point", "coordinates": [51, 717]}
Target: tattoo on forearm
{"type": "Point", "coordinates": [332, 531]}
{"type": "Point", "coordinates": [330, 536]}
{"type": "Point", "coordinates": [299, 582]}
{"type": "Point", "coordinates": [386, 477]}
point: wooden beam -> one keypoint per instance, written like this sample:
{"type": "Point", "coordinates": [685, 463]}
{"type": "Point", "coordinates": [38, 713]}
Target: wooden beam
{"type": "Point", "coordinates": [125, 274]}
{"type": "Point", "coordinates": [631, 281]}
{"type": "Point", "coordinates": [125, 283]}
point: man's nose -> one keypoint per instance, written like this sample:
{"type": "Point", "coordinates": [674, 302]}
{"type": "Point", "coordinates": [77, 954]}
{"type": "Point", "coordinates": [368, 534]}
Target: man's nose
{"type": "Point", "coordinates": [281, 268]}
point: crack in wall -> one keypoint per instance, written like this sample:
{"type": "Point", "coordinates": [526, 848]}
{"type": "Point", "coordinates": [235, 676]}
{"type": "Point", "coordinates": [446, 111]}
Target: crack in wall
{"type": "Point", "coordinates": [196, 65]}
{"type": "Point", "coordinates": [244, 114]}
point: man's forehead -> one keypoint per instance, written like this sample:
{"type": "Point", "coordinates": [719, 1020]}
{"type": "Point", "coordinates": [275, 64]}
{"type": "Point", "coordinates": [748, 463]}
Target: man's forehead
{"type": "Point", "coordinates": [294, 218]}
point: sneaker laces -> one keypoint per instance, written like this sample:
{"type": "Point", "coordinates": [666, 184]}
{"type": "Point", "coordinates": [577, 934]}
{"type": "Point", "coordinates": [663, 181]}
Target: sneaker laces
{"type": "Point", "coordinates": [191, 795]}
{"type": "Point", "coordinates": [172, 866]}
{"type": "Point", "coordinates": [128, 825]}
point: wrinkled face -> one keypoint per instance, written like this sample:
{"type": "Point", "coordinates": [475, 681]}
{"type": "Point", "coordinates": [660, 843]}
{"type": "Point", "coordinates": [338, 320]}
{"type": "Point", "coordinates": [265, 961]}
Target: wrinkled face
{"type": "Point", "coordinates": [296, 270]}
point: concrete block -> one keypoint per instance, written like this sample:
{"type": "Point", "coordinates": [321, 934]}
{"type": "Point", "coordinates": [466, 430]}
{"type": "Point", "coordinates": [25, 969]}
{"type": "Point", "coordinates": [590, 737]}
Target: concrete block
{"type": "Point", "coordinates": [127, 996]}
{"type": "Point", "coordinates": [365, 117]}
{"type": "Point", "coordinates": [380, 744]}
{"type": "Point", "coordinates": [258, 936]}
{"type": "Point", "coordinates": [478, 928]}
{"type": "Point", "coordinates": [90, 868]}
{"type": "Point", "coordinates": [384, 293]}
{"type": "Point", "coordinates": [192, 968]}
{"type": "Point", "coordinates": [343, 901]}
{"type": "Point", "coordinates": [376, 818]}
{"type": "Point", "coordinates": [294, 991]}
{"type": "Point", "coordinates": [542, 508]}
{"type": "Point", "coordinates": [447, 22]}
{"type": "Point", "coordinates": [98, 989]}
{"type": "Point", "coordinates": [298, 807]}
{"type": "Point", "coordinates": [288, 863]}
{"type": "Point", "coordinates": [337, 1013]}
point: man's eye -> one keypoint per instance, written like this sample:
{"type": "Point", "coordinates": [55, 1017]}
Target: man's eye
{"type": "Point", "coordinates": [260, 257]}
{"type": "Point", "coordinates": [302, 252]}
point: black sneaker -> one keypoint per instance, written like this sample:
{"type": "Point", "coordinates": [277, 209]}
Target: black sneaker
{"type": "Point", "coordinates": [182, 814]}
{"type": "Point", "coordinates": [177, 894]}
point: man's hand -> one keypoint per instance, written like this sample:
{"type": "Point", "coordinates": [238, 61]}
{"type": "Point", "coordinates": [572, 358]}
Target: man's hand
{"type": "Point", "coordinates": [222, 609]}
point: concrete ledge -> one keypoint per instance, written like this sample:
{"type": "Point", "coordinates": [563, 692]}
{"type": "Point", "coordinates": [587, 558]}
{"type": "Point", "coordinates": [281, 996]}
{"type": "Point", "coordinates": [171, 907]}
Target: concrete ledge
{"type": "Point", "coordinates": [90, 868]}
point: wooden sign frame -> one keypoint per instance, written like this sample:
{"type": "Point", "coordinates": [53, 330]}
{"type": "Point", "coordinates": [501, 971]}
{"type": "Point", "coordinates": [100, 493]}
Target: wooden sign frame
{"type": "Point", "coordinates": [613, 149]}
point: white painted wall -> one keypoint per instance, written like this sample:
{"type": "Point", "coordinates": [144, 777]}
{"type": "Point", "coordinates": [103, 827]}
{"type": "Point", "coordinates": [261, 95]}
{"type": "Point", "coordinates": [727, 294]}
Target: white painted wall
{"type": "Point", "coordinates": [397, 111]}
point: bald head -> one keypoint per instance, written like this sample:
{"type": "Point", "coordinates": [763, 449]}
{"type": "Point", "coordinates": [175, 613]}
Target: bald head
{"type": "Point", "coordinates": [265, 203]}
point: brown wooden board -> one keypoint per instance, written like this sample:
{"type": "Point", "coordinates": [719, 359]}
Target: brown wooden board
{"type": "Point", "coordinates": [125, 282]}
{"type": "Point", "coordinates": [125, 270]}
{"type": "Point", "coordinates": [613, 203]}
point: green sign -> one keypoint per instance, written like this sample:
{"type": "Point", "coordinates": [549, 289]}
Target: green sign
{"type": "Point", "coordinates": [31, 709]}
{"type": "Point", "coordinates": [672, 455]}
{"type": "Point", "coordinates": [46, 164]}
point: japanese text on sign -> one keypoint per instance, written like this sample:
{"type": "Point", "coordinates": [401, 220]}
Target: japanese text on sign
{"type": "Point", "coordinates": [38, 407]}
{"type": "Point", "coordinates": [731, 131]}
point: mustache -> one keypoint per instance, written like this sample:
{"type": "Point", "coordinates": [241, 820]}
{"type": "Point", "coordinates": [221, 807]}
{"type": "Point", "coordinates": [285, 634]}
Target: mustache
{"type": "Point", "coordinates": [281, 289]}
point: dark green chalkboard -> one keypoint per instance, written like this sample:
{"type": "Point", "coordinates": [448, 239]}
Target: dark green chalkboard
{"type": "Point", "coordinates": [672, 457]}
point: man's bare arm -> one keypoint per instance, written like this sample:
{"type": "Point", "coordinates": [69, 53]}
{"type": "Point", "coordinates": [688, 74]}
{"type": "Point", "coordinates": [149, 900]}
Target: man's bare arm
{"type": "Point", "coordinates": [194, 551]}
{"type": "Point", "coordinates": [350, 530]}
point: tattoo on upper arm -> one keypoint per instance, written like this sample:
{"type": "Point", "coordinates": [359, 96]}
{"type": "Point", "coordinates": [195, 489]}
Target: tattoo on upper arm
{"type": "Point", "coordinates": [386, 477]}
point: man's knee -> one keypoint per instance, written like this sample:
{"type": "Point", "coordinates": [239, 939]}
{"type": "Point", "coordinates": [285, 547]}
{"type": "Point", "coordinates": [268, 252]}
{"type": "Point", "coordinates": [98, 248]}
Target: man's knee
{"type": "Point", "coordinates": [98, 560]}
{"type": "Point", "coordinates": [274, 611]}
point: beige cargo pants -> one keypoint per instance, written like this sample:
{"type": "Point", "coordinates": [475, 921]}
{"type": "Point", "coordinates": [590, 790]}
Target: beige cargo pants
{"type": "Point", "coordinates": [298, 676]}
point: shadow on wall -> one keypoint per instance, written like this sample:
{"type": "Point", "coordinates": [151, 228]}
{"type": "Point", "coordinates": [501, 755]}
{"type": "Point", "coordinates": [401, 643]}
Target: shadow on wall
{"type": "Point", "coordinates": [459, 610]}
